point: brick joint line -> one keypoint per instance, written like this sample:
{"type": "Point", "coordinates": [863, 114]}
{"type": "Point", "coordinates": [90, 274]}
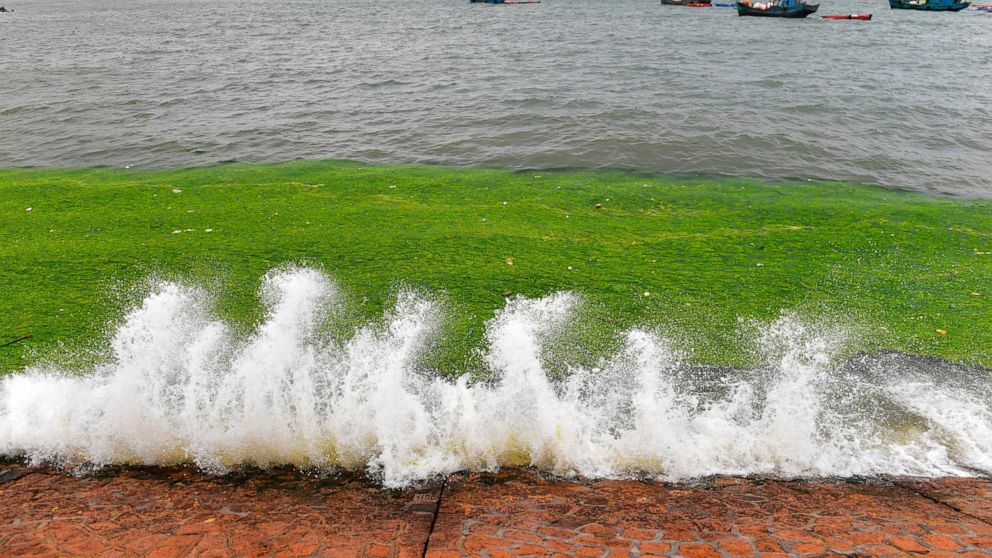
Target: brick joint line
{"type": "Point", "coordinates": [437, 511]}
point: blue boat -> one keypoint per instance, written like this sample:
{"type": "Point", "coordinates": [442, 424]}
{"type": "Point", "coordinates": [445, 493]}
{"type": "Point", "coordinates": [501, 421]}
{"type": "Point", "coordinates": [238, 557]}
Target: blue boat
{"type": "Point", "coordinates": [929, 5]}
{"type": "Point", "coordinates": [776, 8]}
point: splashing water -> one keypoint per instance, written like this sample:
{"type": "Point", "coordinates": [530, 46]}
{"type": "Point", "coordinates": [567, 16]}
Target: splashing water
{"type": "Point", "coordinates": [183, 388]}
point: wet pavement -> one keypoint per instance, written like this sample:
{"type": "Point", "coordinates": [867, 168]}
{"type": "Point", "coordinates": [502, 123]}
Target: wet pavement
{"type": "Point", "coordinates": [180, 512]}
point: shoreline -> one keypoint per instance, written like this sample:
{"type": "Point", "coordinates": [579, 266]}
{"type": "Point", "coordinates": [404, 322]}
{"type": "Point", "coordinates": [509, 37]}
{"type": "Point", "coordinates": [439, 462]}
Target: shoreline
{"type": "Point", "coordinates": [515, 512]}
{"type": "Point", "coordinates": [441, 164]}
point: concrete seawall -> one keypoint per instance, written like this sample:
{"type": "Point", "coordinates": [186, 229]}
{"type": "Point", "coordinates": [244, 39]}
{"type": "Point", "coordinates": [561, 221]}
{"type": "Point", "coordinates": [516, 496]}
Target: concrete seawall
{"type": "Point", "coordinates": [158, 512]}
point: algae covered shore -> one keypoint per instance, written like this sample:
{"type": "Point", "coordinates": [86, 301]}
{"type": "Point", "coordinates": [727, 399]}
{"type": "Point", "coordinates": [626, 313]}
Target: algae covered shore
{"type": "Point", "coordinates": [692, 257]}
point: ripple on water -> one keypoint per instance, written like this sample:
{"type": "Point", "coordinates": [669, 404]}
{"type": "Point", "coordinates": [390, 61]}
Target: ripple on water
{"type": "Point", "coordinates": [562, 84]}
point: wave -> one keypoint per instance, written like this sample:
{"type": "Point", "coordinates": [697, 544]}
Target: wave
{"type": "Point", "coordinates": [181, 387]}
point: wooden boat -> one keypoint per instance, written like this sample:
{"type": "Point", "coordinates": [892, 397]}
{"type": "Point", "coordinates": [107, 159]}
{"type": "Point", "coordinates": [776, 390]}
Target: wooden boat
{"type": "Point", "coordinates": [929, 5]}
{"type": "Point", "coordinates": [692, 3]}
{"type": "Point", "coordinates": [863, 17]}
{"type": "Point", "coordinates": [784, 8]}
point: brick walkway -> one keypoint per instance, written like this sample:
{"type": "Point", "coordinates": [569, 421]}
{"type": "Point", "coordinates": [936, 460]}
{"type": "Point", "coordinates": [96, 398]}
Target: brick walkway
{"type": "Point", "coordinates": [176, 512]}
{"type": "Point", "coordinates": [165, 513]}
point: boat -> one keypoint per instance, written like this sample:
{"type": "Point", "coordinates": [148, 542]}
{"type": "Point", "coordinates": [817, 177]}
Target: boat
{"type": "Point", "coordinates": [929, 5]}
{"type": "Point", "coordinates": [863, 17]}
{"type": "Point", "coordinates": [776, 8]}
{"type": "Point", "coordinates": [504, 1]}
{"type": "Point", "coordinates": [690, 3]}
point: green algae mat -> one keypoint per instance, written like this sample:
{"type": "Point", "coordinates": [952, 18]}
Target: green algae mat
{"type": "Point", "coordinates": [693, 258]}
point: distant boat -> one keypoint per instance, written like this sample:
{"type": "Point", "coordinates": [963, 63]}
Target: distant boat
{"type": "Point", "coordinates": [772, 8]}
{"type": "Point", "coordinates": [694, 3]}
{"type": "Point", "coordinates": [929, 5]}
{"type": "Point", "coordinates": [504, 1]}
{"type": "Point", "coordinates": [863, 17]}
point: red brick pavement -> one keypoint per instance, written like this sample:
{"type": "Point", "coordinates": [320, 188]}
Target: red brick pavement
{"type": "Point", "coordinates": [517, 513]}
{"type": "Point", "coordinates": [177, 512]}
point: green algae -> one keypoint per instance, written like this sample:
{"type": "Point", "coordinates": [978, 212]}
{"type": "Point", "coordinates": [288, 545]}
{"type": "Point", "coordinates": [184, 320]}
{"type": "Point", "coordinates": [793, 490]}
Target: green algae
{"type": "Point", "coordinates": [687, 256]}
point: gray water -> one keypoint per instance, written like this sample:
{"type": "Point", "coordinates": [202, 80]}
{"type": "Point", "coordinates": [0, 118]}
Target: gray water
{"type": "Point", "coordinates": [904, 100]}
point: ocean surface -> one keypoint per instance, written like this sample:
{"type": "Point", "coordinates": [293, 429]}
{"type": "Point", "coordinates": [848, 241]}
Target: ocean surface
{"type": "Point", "coordinates": [903, 101]}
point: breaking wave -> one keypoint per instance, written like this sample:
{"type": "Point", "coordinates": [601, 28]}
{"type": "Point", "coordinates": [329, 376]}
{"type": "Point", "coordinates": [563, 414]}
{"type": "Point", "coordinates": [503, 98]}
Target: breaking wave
{"type": "Point", "coordinates": [182, 387]}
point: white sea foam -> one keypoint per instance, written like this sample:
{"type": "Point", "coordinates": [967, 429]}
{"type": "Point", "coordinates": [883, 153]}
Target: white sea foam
{"type": "Point", "coordinates": [182, 387]}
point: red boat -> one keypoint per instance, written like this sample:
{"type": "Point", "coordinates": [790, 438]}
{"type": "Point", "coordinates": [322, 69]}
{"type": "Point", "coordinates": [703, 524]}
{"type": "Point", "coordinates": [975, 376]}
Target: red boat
{"type": "Point", "coordinates": [864, 17]}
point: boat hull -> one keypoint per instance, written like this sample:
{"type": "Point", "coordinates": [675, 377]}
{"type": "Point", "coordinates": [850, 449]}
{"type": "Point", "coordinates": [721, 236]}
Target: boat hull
{"type": "Point", "coordinates": [792, 13]}
{"type": "Point", "coordinates": [930, 6]}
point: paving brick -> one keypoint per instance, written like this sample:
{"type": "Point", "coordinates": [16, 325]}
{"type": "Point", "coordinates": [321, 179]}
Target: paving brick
{"type": "Point", "coordinates": [639, 534]}
{"type": "Point", "coordinates": [86, 547]}
{"type": "Point", "coordinates": [883, 551]}
{"type": "Point", "coordinates": [984, 542]}
{"type": "Point", "coordinates": [876, 537]}
{"type": "Point", "coordinates": [300, 550]}
{"type": "Point", "coordinates": [907, 544]}
{"type": "Point", "coordinates": [940, 542]}
{"type": "Point", "coordinates": [945, 528]}
{"type": "Point", "coordinates": [598, 529]}
{"type": "Point", "coordinates": [698, 551]}
{"type": "Point", "coordinates": [737, 548]}
{"type": "Point", "coordinates": [379, 551]}
{"type": "Point", "coordinates": [583, 551]}
{"type": "Point", "coordinates": [766, 546]}
{"type": "Point", "coordinates": [474, 543]}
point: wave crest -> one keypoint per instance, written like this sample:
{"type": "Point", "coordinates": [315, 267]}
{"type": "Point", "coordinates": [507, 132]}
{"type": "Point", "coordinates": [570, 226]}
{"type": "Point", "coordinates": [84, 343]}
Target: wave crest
{"type": "Point", "coordinates": [181, 387]}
